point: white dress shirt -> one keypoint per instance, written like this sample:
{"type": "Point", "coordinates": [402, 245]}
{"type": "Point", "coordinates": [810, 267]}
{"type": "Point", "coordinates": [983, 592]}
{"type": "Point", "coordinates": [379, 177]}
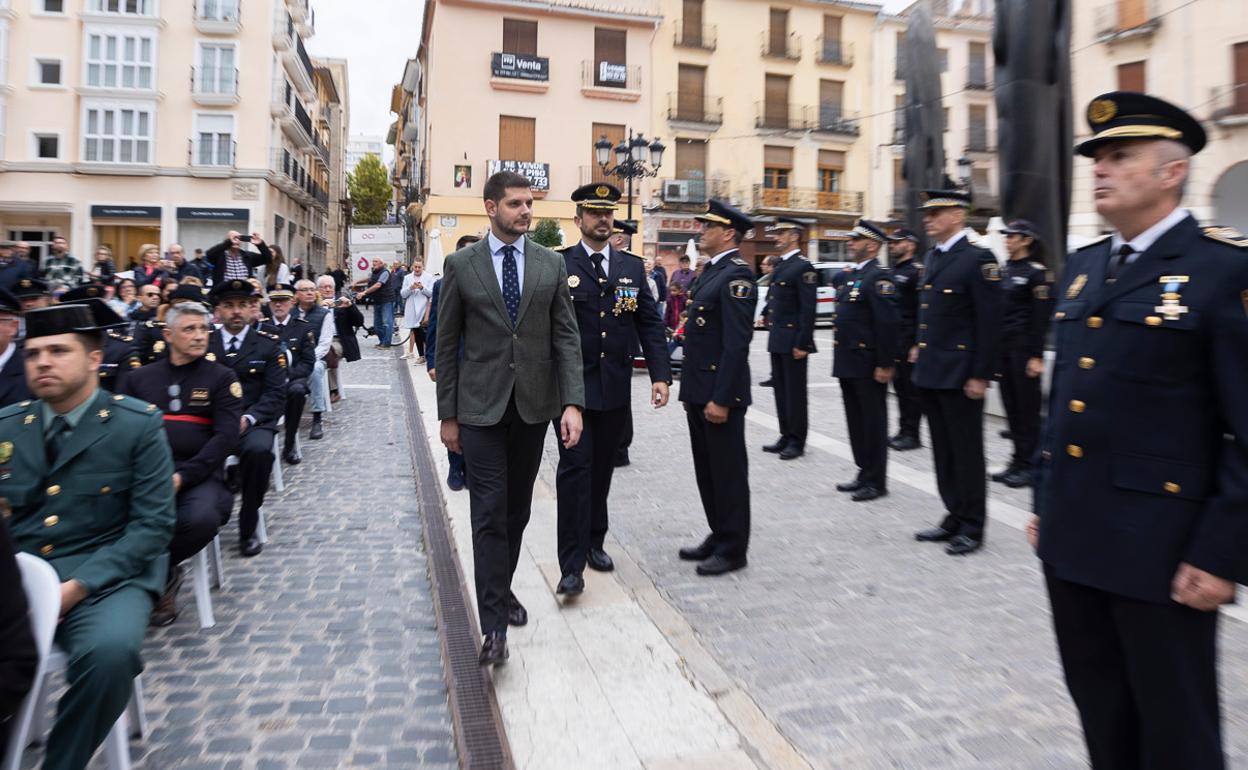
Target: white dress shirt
{"type": "Point", "coordinates": [496, 255]}
{"type": "Point", "coordinates": [788, 254]}
{"type": "Point", "coordinates": [606, 256]}
{"type": "Point", "coordinates": [7, 354]}
{"type": "Point", "coordinates": [226, 337]}
{"type": "Point", "coordinates": [1145, 240]}
{"type": "Point", "coordinates": [949, 244]}
{"type": "Point", "coordinates": [721, 255]}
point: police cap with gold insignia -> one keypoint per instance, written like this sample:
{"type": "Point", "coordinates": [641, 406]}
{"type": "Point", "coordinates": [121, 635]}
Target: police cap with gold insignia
{"type": "Point", "coordinates": [625, 227]}
{"type": "Point", "coordinates": [29, 288]}
{"type": "Point", "coordinates": [869, 231]}
{"type": "Point", "coordinates": [943, 199]}
{"type": "Point", "coordinates": [1120, 115]}
{"type": "Point", "coordinates": [725, 215]}
{"type": "Point", "coordinates": [235, 288]}
{"type": "Point", "coordinates": [86, 291]}
{"type": "Point", "coordinates": [188, 292]}
{"type": "Point", "coordinates": [1020, 227]}
{"type": "Point", "coordinates": [81, 317]}
{"type": "Point", "coordinates": [903, 234]}
{"type": "Point", "coordinates": [9, 304]}
{"type": "Point", "coordinates": [787, 223]}
{"type": "Point", "coordinates": [282, 291]}
{"type": "Point", "coordinates": [597, 196]}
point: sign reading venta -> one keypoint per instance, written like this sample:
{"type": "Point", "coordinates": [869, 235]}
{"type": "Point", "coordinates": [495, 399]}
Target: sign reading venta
{"type": "Point", "coordinates": [538, 174]}
{"type": "Point", "coordinates": [612, 73]}
{"type": "Point", "coordinates": [522, 66]}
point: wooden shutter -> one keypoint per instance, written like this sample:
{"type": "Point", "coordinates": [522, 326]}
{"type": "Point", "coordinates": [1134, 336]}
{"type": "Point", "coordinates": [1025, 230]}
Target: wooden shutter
{"type": "Point", "coordinates": [1131, 76]}
{"type": "Point", "coordinates": [1132, 13]}
{"type": "Point", "coordinates": [901, 55]}
{"type": "Point", "coordinates": [832, 159]}
{"type": "Point", "coordinates": [520, 36]}
{"type": "Point", "coordinates": [690, 159]}
{"type": "Point", "coordinates": [615, 135]}
{"type": "Point", "coordinates": [977, 127]}
{"type": "Point", "coordinates": [516, 138]}
{"type": "Point", "coordinates": [977, 54]}
{"type": "Point", "coordinates": [831, 30]}
{"type": "Point", "coordinates": [778, 40]}
{"type": "Point", "coordinates": [776, 106]}
{"type": "Point", "coordinates": [1240, 54]}
{"type": "Point", "coordinates": [609, 45]}
{"type": "Point", "coordinates": [831, 101]}
{"type": "Point", "coordinates": [691, 92]}
{"type": "Point", "coordinates": [691, 19]}
{"type": "Point", "coordinates": [777, 157]}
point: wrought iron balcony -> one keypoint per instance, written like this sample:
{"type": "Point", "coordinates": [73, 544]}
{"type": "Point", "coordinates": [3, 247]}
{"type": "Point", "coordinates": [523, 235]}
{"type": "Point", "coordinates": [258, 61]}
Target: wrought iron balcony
{"type": "Point", "coordinates": [781, 116]}
{"type": "Point", "coordinates": [1230, 105]}
{"type": "Point", "coordinates": [832, 120]}
{"type": "Point", "coordinates": [1120, 19]}
{"type": "Point", "coordinates": [807, 199]}
{"type": "Point", "coordinates": [694, 108]}
{"type": "Point", "coordinates": [703, 36]}
{"type": "Point", "coordinates": [790, 47]}
{"type": "Point", "coordinates": [835, 52]}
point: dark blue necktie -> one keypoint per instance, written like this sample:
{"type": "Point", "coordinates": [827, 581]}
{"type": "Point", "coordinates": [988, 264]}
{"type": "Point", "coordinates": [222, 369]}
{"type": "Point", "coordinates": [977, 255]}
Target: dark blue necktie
{"type": "Point", "coordinates": [511, 282]}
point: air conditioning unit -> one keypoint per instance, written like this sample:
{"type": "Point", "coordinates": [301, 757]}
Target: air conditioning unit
{"type": "Point", "coordinates": [676, 190]}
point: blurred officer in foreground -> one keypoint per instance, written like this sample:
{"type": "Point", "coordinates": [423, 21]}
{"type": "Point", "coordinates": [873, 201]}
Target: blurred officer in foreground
{"type": "Point", "coordinates": [907, 276]}
{"type": "Point", "coordinates": [1142, 489]}
{"type": "Point", "coordinates": [13, 386]}
{"type": "Point", "coordinates": [791, 302]}
{"type": "Point", "coordinates": [715, 388]}
{"type": "Point", "coordinates": [33, 293]}
{"type": "Point", "coordinates": [299, 338]}
{"type": "Point", "coordinates": [120, 357]}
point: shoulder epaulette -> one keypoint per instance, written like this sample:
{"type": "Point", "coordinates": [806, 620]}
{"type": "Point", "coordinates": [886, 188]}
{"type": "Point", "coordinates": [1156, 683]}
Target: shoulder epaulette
{"type": "Point", "coordinates": [1038, 265]}
{"type": "Point", "coordinates": [630, 254]}
{"type": "Point", "coordinates": [739, 261]}
{"type": "Point", "coordinates": [1093, 243]}
{"type": "Point", "coordinates": [155, 324]}
{"type": "Point", "coordinates": [12, 410]}
{"type": "Point", "coordinates": [131, 404]}
{"type": "Point", "coordinates": [1227, 235]}
{"type": "Point", "coordinates": [271, 335]}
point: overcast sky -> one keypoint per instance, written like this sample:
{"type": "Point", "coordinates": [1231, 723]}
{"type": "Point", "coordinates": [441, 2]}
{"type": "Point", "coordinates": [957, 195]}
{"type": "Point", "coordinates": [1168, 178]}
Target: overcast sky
{"type": "Point", "coordinates": [377, 37]}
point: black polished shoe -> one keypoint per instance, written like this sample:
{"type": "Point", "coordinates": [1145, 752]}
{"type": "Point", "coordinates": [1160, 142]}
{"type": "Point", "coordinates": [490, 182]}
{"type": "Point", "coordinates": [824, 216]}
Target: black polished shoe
{"type": "Point", "coordinates": [292, 457]}
{"type": "Point", "coordinates": [493, 650]}
{"type": "Point", "coordinates": [849, 486]}
{"type": "Point", "coordinates": [720, 565]}
{"type": "Point", "coordinates": [517, 615]}
{"type": "Point", "coordinates": [166, 610]}
{"type": "Point", "coordinates": [455, 481]}
{"type": "Point", "coordinates": [1000, 475]}
{"type": "Point", "coordinates": [904, 443]}
{"type": "Point", "coordinates": [865, 493]}
{"type": "Point", "coordinates": [318, 432]}
{"type": "Point", "coordinates": [598, 560]}
{"type": "Point", "coordinates": [777, 447]}
{"type": "Point", "coordinates": [933, 535]}
{"type": "Point", "coordinates": [572, 585]}
{"type": "Point", "coordinates": [962, 545]}
{"type": "Point", "coordinates": [697, 553]}
{"type": "Point", "coordinates": [792, 452]}
{"type": "Point", "coordinates": [251, 547]}
{"type": "Point", "coordinates": [1020, 477]}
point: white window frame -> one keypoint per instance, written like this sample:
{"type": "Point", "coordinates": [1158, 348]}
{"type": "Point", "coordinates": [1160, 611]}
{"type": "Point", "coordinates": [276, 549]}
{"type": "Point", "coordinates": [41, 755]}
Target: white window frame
{"type": "Point", "coordinates": [36, 73]}
{"type": "Point", "coordinates": [36, 135]}
{"type": "Point", "coordinates": [40, 9]}
{"type": "Point", "coordinates": [4, 52]}
{"type": "Point", "coordinates": [101, 7]}
{"type": "Point", "coordinates": [121, 34]}
{"type": "Point", "coordinates": [4, 123]}
{"type": "Point", "coordinates": [195, 139]}
{"type": "Point", "coordinates": [117, 106]}
{"type": "Point", "coordinates": [234, 6]}
{"type": "Point", "coordinates": [200, 45]}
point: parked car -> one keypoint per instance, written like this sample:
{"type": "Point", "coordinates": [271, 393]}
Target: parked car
{"type": "Point", "coordinates": [825, 310]}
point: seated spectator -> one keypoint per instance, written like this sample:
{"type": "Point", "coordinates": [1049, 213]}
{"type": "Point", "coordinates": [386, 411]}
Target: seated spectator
{"type": "Point", "coordinates": [149, 337]}
{"type": "Point", "coordinates": [13, 268]}
{"type": "Point", "coordinates": [309, 307]}
{"type": "Point", "coordinates": [18, 655]}
{"type": "Point", "coordinates": [347, 319]}
{"type": "Point", "coordinates": [167, 287]}
{"type": "Point", "coordinates": [88, 482]}
{"type": "Point", "coordinates": [149, 269]}
{"type": "Point", "coordinates": [299, 339]}
{"type": "Point", "coordinates": [33, 294]}
{"type": "Point", "coordinates": [179, 268]}
{"type": "Point", "coordinates": [62, 268]}
{"type": "Point", "coordinates": [12, 370]}
{"type": "Point", "coordinates": [126, 298]}
{"type": "Point", "coordinates": [119, 352]}
{"type": "Point", "coordinates": [231, 262]}
{"type": "Point", "coordinates": [149, 301]}
{"type": "Point", "coordinates": [202, 403]}
{"type": "Point", "coordinates": [103, 269]}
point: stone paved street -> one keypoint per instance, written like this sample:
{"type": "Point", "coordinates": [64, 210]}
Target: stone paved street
{"type": "Point", "coordinates": [325, 652]}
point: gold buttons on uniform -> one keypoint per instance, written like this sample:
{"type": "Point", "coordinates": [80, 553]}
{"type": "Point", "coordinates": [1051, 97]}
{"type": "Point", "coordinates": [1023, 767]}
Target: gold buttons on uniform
{"type": "Point", "coordinates": [47, 549]}
{"type": "Point", "coordinates": [52, 521]}
{"type": "Point", "coordinates": [1095, 322]}
{"type": "Point", "coordinates": [1077, 407]}
{"type": "Point", "coordinates": [923, 306]}
{"type": "Point", "coordinates": [948, 291]}
{"type": "Point", "coordinates": [602, 314]}
{"type": "Point", "coordinates": [1153, 320]}
{"type": "Point", "coordinates": [1059, 315]}
{"type": "Point", "coordinates": [105, 490]}
{"type": "Point", "coordinates": [1172, 488]}
{"type": "Point", "coordinates": [922, 326]}
{"type": "Point", "coordinates": [922, 344]}
{"type": "Point", "coordinates": [604, 335]}
{"type": "Point", "coordinates": [1074, 451]}
{"type": "Point", "coordinates": [54, 490]}
{"type": "Point", "coordinates": [862, 344]}
{"type": "Point", "coordinates": [1087, 363]}
{"type": "Point", "coordinates": [927, 286]}
{"type": "Point", "coordinates": [961, 347]}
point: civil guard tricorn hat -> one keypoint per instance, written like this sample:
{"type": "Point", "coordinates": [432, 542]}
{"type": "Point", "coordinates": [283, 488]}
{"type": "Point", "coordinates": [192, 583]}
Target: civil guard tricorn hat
{"type": "Point", "coordinates": [80, 317]}
{"type": "Point", "coordinates": [28, 288]}
{"type": "Point", "coordinates": [10, 304]}
{"type": "Point", "coordinates": [1120, 115]}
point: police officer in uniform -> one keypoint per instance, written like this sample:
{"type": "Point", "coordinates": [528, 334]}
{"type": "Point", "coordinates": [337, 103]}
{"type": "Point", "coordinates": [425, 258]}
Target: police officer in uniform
{"type": "Point", "coordinates": [866, 339]}
{"type": "Point", "coordinates": [956, 356]}
{"type": "Point", "coordinates": [201, 402]}
{"type": "Point", "coordinates": [907, 276]}
{"type": "Point", "coordinates": [255, 354]}
{"type": "Point", "coordinates": [85, 484]}
{"type": "Point", "coordinates": [1142, 487]}
{"type": "Point", "coordinates": [791, 303]}
{"type": "Point", "coordinates": [613, 310]}
{"type": "Point", "coordinates": [33, 293]}
{"type": "Point", "coordinates": [120, 357]}
{"type": "Point", "coordinates": [621, 239]}
{"type": "Point", "coordinates": [13, 386]}
{"type": "Point", "coordinates": [715, 388]}
{"type": "Point", "coordinates": [149, 336]}
{"type": "Point", "coordinates": [299, 339]}
{"type": "Point", "coordinates": [1025, 325]}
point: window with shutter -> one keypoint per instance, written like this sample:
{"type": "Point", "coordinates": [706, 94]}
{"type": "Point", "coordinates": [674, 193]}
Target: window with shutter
{"type": "Point", "coordinates": [777, 168]}
{"type": "Point", "coordinates": [610, 58]}
{"type": "Point", "coordinates": [831, 99]}
{"type": "Point", "coordinates": [778, 36]}
{"type": "Point", "coordinates": [831, 48]}
{"type": "Point", "coordinates": [977, 128]}
{"type": "Point", "coordinates": [1131, 76]}
{"type": "Point", "coordinates": [1240, 54]}
{"type": "Point", "coordinates": [614, 134]}
{"type": "Point", "coordinates": [691, 93]}
{"type": "Point", "coordinates": [691, 166]}
{"type": "Point", "coordinates": [520, 37]}
{"type": "Point", "coordinates": [691, 23]}
{"type": "Point", "coordinates": [776, 104]}
{"type": "Point", "coordinates": [516, 138]}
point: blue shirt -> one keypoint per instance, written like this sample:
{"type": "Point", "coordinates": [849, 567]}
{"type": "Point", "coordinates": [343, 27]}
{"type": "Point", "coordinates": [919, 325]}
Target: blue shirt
{"type": "Point", "coordinates": [496, 255]}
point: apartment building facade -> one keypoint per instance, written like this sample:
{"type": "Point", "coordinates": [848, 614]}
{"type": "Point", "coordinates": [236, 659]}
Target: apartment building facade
{"type": "Point", "coordinates": [336, 112]}
{"type": "Point", "coordinates": [364, 144]}
{"type": "Point", "coordinates": [153, 121]}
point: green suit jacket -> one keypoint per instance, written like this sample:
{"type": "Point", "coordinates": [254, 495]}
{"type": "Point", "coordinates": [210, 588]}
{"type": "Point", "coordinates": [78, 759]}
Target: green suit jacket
{"type": "Point", "coordinates": [103, 513]}
{"type": "Point", "coordinates": [539, 357]}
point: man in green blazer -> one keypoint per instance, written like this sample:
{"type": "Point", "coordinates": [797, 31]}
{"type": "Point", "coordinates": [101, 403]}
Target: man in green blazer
{"type": "Point", "coordinates": [507, 300]}
{"type": "Point", "coordinates": [86, 482]}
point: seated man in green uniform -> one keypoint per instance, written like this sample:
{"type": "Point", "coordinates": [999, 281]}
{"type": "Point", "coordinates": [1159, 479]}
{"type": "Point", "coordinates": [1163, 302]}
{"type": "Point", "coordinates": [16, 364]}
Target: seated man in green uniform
{"type": "Point", "coordinates": [88, 480]}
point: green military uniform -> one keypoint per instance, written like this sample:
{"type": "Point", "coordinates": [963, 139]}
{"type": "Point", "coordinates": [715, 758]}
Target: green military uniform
{"type": "Point", "coordinates": [101, 513]}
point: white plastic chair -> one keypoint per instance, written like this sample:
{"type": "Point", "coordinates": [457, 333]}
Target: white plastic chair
{"type": "Point", "coordinates": [202, 582]}
{"type": "Point", "coordinates": [43, 593]}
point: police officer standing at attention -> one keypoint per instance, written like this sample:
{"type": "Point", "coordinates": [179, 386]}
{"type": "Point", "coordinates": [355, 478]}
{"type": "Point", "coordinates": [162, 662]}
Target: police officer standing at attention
{"type": "Point", "coordinates": [1142, 488]}
{"type": "Point", "coordinates": [13, 387]}
{"type": "Point", "coordinates": [866, 339]}
{"type": "Point", "coordinates": [201, 402]}
{"type": "Point", "coordinates": [622, 233]}
{"type": "Point", "coordinates": [791, 302]}
{"type": "Point", "coordinates": [255, 354]}
{"type": "Point", "coordinates": [120, 357]}
{"type": "Point", "coordinates": [613, 310]}
{"type": "Point", "coordinates": [715, 388]}
{"type": "Point", "coordinates": [1028, 304]}
{"type": "Point", "coordinates": [956, 356]}
{"type": "Point", "coordinates": [907, 274]}
{"type": "Point", "coordinates": [299, 339]}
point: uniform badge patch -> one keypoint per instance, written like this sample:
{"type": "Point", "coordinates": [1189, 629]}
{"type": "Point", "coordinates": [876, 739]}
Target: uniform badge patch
{"type": "Point", "coordinates": [6, 452]}
{"type": "Point", "coordinates": [199, 394]}
{"type": "Point", "coordinates": [159, 347]}
{"type": "Point", "coordinates": [741, 289]}
{"type": "Point", "coordinates": [574, 281]}
{"type": "Point", "coordinates": [236, 390]}
{"type": "Point", "coordinates": [991, 271]}
{"type": "Point", "coordinates": [1041, 292]}
{"type": "Point", "coordinates": [1076, 286]}
{"type": "Point", "coordinates": [885, 288]}
{"type": "Point", "coordinates": [1227, 235]}
{"type": "Point", "coordinates": [810, 277]}
{"type": "Point", "coordinates": [211, 356]}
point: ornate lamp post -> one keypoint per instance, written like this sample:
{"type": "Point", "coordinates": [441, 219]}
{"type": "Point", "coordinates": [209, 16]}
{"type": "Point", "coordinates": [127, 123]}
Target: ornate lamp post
{"type": "Point", "coordinates": [635, 158]}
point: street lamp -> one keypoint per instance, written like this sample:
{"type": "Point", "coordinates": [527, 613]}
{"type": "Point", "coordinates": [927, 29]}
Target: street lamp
{"type": "Point", "coordinates": [635, 158]}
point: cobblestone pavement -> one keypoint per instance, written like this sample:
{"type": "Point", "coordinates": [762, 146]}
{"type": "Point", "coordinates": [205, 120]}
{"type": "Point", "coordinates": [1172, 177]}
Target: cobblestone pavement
{"type": "Point", "coordinates": [866, 648]}
{"type": "Point", "coordinates": [325, 653]}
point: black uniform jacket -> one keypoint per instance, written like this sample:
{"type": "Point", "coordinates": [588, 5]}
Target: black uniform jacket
{"type": "Point", "coordinates": [119, 359]}
{"type": "Point", "coordinates": [1028, 304]}
{"type": "Point", "coordinates": [611, 316]}
{"type": "Point", "coordinates": [959, 317]}
{"type": "Point", "coordinates": [908, 278]}
{"type": "Point", "coordinates": [1144, 460]}
{"type": "Point", "coordinates": [866, 323]}
{"type": "Point", "coordinates": [13, 387]}
{"type": "Point", "coordinates": [716, 366]}
{"type": "Point", "coordinates": [791, 300]}
{"type": "Point", "coordinates": [299, 340]}
{"type": "Point", "coordinates": [260, 367]}
{"type": "Point", "coordinates": [203, 431]}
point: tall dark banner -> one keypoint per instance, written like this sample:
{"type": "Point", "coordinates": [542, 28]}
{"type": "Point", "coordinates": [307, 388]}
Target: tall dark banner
{"type": "Point", "coordinates": [924, 164]}
{"type": "Point", "coordinates": [1035, 130]}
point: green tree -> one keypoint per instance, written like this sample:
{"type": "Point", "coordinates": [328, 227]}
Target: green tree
{"type": "Point", "coordinates": [547, 233]}
{"type": "Point", "coordinates": [369, 187]}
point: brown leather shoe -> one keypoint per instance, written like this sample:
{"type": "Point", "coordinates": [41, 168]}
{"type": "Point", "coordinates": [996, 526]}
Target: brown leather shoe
{"type": "Point", "coordinates": [166, 610]}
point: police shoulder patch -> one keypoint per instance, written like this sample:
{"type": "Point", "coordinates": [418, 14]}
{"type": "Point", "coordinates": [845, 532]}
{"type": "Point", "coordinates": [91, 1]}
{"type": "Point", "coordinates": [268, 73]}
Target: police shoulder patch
{"type": "Point", "coordinates": [885, 288]}
{"type": "Point", "coordinates": [1041, 291]}
{"type": "Point", "coordinates": [739, 261]}
{"type": "Point", "coordinates": [1038, 265]}
{"type": "Point", "coordinates": [991, 271]}
{"type": "Point", "coordinates": [741, 289]}
{"type": "Point", "coordinates": [810, 276]}
{"type": "Point", "coordinates": [236, 390]}
{"type": "Point", "coordinates": [1227, 235]}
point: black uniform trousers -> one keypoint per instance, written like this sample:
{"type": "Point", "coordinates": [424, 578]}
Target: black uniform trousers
{"type": "Point", "coordinates": [788, 380]}
{"type": "Point", "coordinates": [505, 458]}
{"type": "Point", "coordinates": [909, 403]}
{"type": "Point", "coordinates": [721, 467]}
{"type": "Point", "coordinates": [626, 438]}
{"type": "Point", "coordinates": [1021, 395]}
{"type": "Point", "coordinates": [1143, 675]}
{"type": "Point", "coordinates": [956, 424]}
{"type": "Point", "coordinates": [866, 414]}
{"type": "Point", "coordinates": [583, 483]}
{"type": "Point", "coordinates": [255, 466]}
{"type": "Point", "coordinates": [202, 509]}
{"type": "Point", "coordinates": [296, 398]}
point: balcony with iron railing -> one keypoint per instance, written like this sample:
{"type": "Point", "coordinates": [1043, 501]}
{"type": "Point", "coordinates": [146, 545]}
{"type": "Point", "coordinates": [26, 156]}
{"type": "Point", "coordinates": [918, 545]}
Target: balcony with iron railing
{"type": "Point", "coordinates": [1127, 19]}
{"type": "Point", "coordinates": [835, 52]}
{"type": "Point", "coordinates": [787, 47]}
{"type": "Point", "coordinates": [702, 111]}
{"type": "Point", "coordinates": [298, 65]}
{"type": "Point", "coordinates": [977, 78]}
{"type": "Point", "coordinates": [214, 156]}
{"type": "Point", "coordinates": [694, 191]}
{"type": "Point", "coordinates": [1230, 105]}
{"type": "Point", "coordinates": [899, 200]}
{"type": "Point", "coordinates": [605, 80]}
{"type": "Point", "coordinates": [977, 140]}
{"type": "Point", "coordinates": [703, 36]}
{"type": "Point", "coordinates": [830, 119]}
{"type": "Point", "coordinates": [214, 86]}
{"type": "Point", "coordinates": [806, 199]}
{"type": "Point", "coordinates": [780, 116]}
{"type": "Point", "coordinates": [218, 17]}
